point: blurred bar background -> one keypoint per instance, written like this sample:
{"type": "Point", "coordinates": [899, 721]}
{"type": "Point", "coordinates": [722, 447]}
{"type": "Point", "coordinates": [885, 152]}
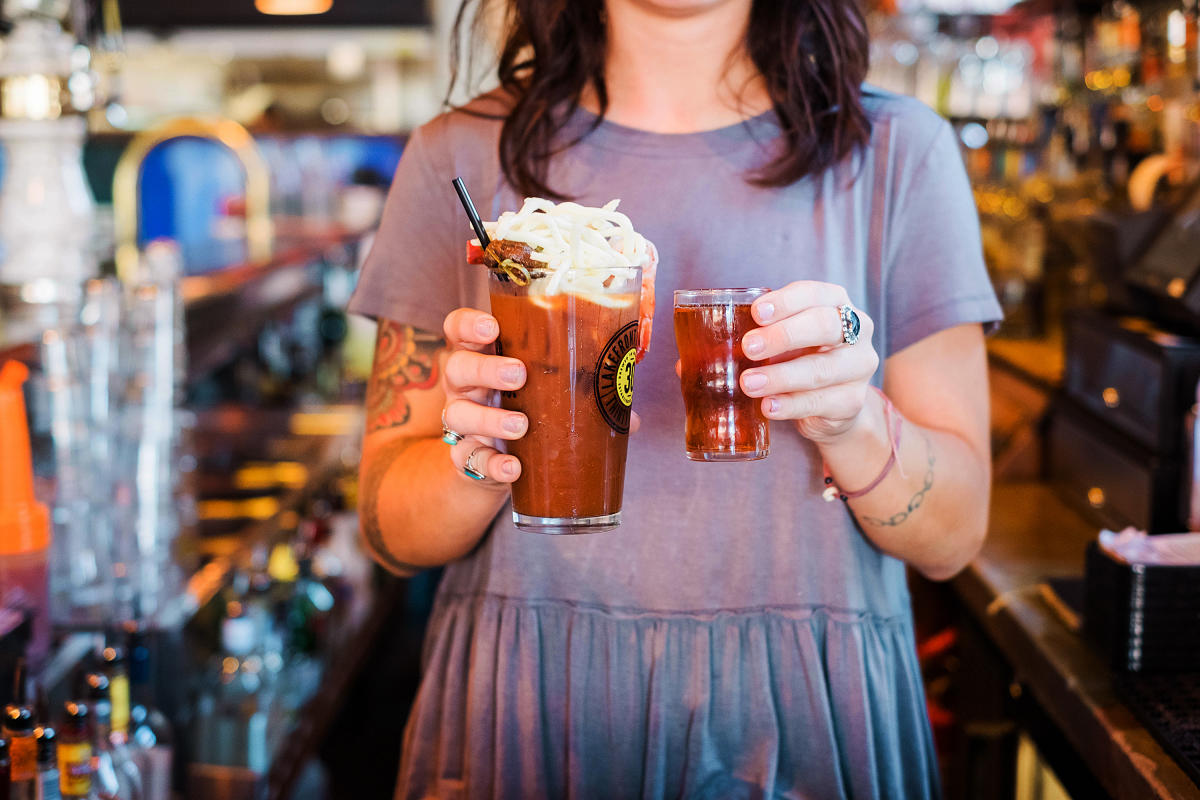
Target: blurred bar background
{"type": "Point", "coordinates": [186, 192]}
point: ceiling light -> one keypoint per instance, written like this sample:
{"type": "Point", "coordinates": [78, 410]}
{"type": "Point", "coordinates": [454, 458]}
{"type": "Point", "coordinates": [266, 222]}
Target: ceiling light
{"type": "Point", "coordinates": [293, 8]}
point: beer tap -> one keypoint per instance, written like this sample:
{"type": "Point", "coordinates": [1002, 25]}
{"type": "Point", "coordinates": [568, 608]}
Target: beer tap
{"type": "Point", "coordinates": [227, 132]}
{"type": "Point", "coordinates": [46, 207]}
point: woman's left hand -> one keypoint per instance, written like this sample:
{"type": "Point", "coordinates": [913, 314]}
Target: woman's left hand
{"type": "Point", "coordinates": [811, 376]}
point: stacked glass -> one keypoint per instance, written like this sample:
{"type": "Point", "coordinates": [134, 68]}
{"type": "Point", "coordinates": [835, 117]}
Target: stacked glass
{"type": "Point", "coordinates": [106, 407]}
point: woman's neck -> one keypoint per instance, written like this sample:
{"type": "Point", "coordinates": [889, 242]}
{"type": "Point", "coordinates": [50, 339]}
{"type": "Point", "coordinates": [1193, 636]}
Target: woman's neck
{"type": "Point", "coordinates": [679, 71]}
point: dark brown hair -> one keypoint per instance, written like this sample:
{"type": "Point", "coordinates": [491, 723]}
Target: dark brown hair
{"type": "Point", "coordinates": [812, 55]}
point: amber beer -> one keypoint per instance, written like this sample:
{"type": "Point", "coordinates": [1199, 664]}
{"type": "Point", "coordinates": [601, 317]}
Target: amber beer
{"type": "Point", "coordinates": [578, 345]}
{"type": "Point", "coordinates": [722, 422]}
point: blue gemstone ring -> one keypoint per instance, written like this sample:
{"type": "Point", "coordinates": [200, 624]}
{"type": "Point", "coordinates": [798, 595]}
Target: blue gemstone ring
{"type": "Point", "coordinates": [469, 469]}
{"type": "Point", "coordinates": [448, 436]}
{"type": "Point", "coordinates": [851, 324]}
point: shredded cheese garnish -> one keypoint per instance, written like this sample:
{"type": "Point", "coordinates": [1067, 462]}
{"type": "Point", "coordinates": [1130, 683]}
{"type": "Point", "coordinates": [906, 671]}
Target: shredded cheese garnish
{"type": "Point", "coordinates": [568, 236]}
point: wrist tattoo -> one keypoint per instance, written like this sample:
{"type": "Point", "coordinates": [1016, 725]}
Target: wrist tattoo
{"type": "Point", "coordinates": [915, 501]}
{"type": "Point", "coordinates": [368, 514]}
{"type": "Point", "coordinates": [405, 358]}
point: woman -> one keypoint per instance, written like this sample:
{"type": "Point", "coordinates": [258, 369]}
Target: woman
{"type": "Point", "coordinates": [737, 636]}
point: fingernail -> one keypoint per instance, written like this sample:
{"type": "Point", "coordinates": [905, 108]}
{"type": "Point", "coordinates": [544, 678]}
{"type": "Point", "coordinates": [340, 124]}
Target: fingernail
{"type": "Point", "coordinates": [754, 381]}
{"type": "Point", "coordinates": [513, 423]}
{"type": "Point", "coordinates": [485, 326]}
{"type": "Point", "coordinates": [752, 344]}
{"type": "Point", "coordinates": [764, 311]}
{"type": "Point", "coordinates": [509, 468]}
{"type": "Point", "coordinates": [512, 373]}
{"type": "Point", "coordinates": [771, 405]}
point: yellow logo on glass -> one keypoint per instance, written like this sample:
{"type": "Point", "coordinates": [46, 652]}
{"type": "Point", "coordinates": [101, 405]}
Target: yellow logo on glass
{"type": "Point", "coordinates": [625, 378]}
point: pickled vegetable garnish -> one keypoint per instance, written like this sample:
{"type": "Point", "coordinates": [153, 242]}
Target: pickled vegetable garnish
{"type": "Point", "coordinates": [517, 273]}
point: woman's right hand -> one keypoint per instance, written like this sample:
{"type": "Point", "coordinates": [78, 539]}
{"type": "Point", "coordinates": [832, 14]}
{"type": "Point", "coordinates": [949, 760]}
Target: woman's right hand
{"type": "Point", "coordinates": [471, 375]}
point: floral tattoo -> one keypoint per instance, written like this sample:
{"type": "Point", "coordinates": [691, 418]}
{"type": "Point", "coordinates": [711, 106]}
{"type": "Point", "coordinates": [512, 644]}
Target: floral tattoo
{"type": "Point", "coordinates": [405, 358]}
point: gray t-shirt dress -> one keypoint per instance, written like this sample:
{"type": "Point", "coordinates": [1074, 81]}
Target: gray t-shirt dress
{"type": "Point", "coordinates": [737, 636]}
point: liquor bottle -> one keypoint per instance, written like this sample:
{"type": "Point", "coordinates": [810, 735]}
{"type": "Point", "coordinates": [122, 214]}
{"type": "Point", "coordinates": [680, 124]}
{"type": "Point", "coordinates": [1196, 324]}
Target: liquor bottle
{"type": "Point", "coordinates": [151, 737]}
{"type": "Point", "coordinates": [47, 765]}
{"type": "Point", "coordinates": [22, 752]}
{"type": "Point", "coordinates": [234, 708]}
{"type": "Point", "coordinates": [75, 754]}
{"type": "Point", "coordinates": [112, 661]}
{"type": "Point", "coordinates": [115, 775]}
{"type": "Point", "coordinates": [306, 602]}
{"type": "Point", "coordinates": [5, 784]}
{"type": "Point", "coordinates": [309, 617]}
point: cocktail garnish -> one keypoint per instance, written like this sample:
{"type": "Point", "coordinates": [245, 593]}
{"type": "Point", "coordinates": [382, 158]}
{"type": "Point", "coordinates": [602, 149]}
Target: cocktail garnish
{"type": "Point", "coordinates": [517, 273]}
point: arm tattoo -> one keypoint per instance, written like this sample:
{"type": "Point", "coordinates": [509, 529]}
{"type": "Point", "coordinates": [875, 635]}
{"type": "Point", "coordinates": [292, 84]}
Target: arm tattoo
{"type": "Point", "coordinates": [368, 518]}
{"type": "Point", "coordinates": [915, 501]}
{"type": "Point", "coordinates": [405, 358]}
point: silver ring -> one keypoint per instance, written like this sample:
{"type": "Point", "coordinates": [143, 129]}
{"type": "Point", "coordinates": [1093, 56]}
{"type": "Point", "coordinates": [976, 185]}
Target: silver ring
{"type": "Point", "coordinates": [851, 324]}
{"type": "Point", "coordinates": [469, 470]}
{"type": "Point", "coordinates": [448, 436]}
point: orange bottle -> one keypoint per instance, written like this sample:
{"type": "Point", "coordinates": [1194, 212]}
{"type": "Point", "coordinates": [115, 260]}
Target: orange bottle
{"type": "Point", "coordinates": [24, 522]}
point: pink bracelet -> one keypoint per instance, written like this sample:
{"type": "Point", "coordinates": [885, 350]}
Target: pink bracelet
{"type": "Point", "coordinates": [895, 425]}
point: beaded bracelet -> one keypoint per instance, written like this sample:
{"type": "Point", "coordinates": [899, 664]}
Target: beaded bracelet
{"type": "Point", "coordinates": [895, 425]}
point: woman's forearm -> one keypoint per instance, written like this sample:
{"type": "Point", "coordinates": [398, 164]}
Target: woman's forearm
{"type": "Point", "coordinates": [931, 508]}
{"type": "Point", "coordinates": [416, 509]}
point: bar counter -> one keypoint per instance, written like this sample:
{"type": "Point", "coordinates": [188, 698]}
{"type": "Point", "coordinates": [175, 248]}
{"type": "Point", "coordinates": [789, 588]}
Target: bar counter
{"type": "Point", "coordinates": [227, 306]}
{"type": "Point", "coordinates": [1032, 537]}
{"type": "Point", "coordinates": [226, 309]}
{"type": "Point", "coordinates": [259, 288]}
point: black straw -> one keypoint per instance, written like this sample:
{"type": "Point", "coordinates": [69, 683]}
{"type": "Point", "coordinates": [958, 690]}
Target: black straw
{"type": "Point", "coordinates": [472, 214]}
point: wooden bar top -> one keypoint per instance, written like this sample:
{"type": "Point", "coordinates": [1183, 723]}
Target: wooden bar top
{"type": "Point", "coordinates": [1033, 536]}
